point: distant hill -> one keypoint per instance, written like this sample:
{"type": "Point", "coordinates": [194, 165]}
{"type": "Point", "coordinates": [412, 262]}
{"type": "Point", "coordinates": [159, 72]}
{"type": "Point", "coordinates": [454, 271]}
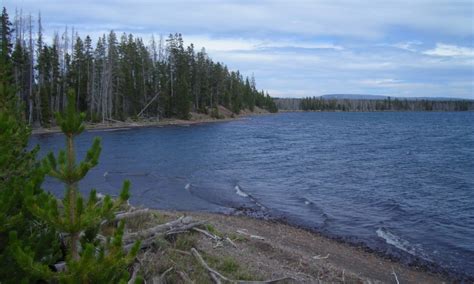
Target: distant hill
{"type": "Point", "coordinates": [353, 97]}
{"type": "Point", "coordinates": [379, 97]}
{"type": "Point", "coordinates": [362, 102]}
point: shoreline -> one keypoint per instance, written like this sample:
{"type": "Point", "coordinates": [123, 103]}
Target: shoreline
{"type": "Point", "coordinates": [285, 250]}
{"type": "Point", "coordinates": [413, 262]}
{"type": "Point", "coordinates": [200, 119]}
{"type": "Point", "coordinates": [132, 125]}
{"type": "Point", "coordinates": [149, 123]}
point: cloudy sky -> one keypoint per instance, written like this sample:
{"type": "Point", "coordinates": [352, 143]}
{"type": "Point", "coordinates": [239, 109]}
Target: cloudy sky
{"type": "Point", "coordinates": [300, 48]}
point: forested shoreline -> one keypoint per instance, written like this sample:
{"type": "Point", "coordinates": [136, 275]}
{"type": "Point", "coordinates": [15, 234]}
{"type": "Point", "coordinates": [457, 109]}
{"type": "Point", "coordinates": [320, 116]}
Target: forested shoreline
{"type": "Point", "coordinates": [368, 105]}
{"type": "Point", "coordinates": [119, 76]}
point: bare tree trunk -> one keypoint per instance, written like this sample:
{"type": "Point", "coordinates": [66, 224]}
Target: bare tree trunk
{"type": "Point", "coordinates": [65, 48]}
{"type": "Point", "coordinates": [40, 73]}
{"type": "Point", "coordinates": [30, 92]}
{"type": "Point", "coordinates": [91, 84]}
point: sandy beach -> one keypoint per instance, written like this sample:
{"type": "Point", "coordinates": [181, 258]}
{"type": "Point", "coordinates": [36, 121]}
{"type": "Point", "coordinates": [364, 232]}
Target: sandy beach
{"type": "Point", "coordinates": [272, 250]}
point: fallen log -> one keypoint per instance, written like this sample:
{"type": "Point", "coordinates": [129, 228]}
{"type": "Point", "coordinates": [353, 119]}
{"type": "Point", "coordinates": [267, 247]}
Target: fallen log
{"type": "Point", "coordinates": [147, 237]}
{"type": "Point", "coordinates": [132, 214]}
{"type": "Point", "coordinates": [243, 232]}
{"type": "Point", "coordinates": [219, 240]}
{"type": "Point", "coordinates": [147, 233]}
{"type": "Point", "coordinates": [208, 234]}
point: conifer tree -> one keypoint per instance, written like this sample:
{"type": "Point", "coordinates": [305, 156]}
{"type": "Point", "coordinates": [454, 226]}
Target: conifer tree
{"type": "Point", "coordinates": [18, 171]}
{"type": "Point", "coordinates": [88, 258]}
{"type": "Point", "coordinates": [119, 79]}
{"type": "Point", "coordinates": [5, 46]}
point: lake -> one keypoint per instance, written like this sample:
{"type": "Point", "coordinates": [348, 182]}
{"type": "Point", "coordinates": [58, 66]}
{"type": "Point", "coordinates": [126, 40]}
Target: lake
{"type": "Point", "coordinates": [401, 184]}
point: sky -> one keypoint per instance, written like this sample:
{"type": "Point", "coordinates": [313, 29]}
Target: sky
{"type": "Point", "coordinates": [404, 48]}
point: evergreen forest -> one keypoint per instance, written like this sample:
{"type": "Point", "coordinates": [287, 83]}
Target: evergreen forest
{"type": "Point", "coordinates": [118, 76]}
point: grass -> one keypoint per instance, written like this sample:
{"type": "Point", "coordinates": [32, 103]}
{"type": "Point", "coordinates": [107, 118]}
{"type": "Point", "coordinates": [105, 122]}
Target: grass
{"type": "Point", "coordinates": [174, 251]}
{"type": "Point", "coordinates": [185, 242]}
{"type": "Point", "coordinates": [227, 266]}
{"type": "Point", "coordinates": [237, 237]}
{"type": "Point", "coordinates": [211, 229]}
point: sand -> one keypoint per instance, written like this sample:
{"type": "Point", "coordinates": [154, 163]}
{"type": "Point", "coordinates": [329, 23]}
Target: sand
{"type": "Point", "coordinates": [307, 257]}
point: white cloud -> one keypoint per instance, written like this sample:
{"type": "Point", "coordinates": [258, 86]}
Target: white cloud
{"type": "Point", "coordinates": [296, 44]}
{"type": "Point", "coordinates": [408, 45]}
{"type": "Point", "coordinates": [253, 44]}
{"type": "Point", "coordinates": [380, 82]}
{"type": "Point", "coordinates": [221, 44]}
{"type": "Point", "coordinates": [449, 50]}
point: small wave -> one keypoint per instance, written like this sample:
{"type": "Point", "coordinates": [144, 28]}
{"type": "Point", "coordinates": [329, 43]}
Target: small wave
{"type": "Point", "coordinates": [396, 241]}
{"type": "Point", "coordinates": [305, 201]}
{"type": "Point", "coordinates": [240, 192]}
{"type": "Point", "coordinates": [187, 186]}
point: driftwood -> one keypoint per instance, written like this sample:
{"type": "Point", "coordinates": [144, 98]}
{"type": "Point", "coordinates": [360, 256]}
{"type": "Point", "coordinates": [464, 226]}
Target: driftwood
{"type": "Point", "coordinates": [219, 278]}
{"type": "Point", "coordinates": [185, 277]}
{"type": "Point", "coordinates": [181, 252]}
{"type": "Point", "coordinates": [395, 275]}
{"type": "Point", "coordinates": [231, 242]}
{"type": "Point", "coordinates": [136, 268]}
{"type": "Point", "coordinates": [243, 232]}
{"type": "Point", "coordinates": [132, 214]}
{"type": "Point", "coordinates": [182, 223]}
{"type": "Point", "coordinates": [162, 277]}
{"type": "Point", "coordinates": [318, 257]}
{"type": "Point", "coordinates": [147, 237]}
{"type": "Point", "coordinates": [219, 240]}
{"type": "Point", "coordinates": [209, 234]}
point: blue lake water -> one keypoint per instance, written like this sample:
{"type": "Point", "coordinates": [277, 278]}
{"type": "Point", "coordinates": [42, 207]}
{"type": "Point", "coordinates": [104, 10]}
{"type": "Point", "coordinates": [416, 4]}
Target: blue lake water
{"type": "Point", "coordinates": [401, 184]}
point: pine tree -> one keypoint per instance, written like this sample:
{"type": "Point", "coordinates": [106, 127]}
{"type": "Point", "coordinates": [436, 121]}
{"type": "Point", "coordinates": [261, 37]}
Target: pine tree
{"type": "Point", "coordinates": [88, 259]}
{"type": "Point", "coordinates": [5, 46]}
{"type": "Point", "coordinates": [18, 171]}
{"type": "Point", "coordinates": [119, 79]}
